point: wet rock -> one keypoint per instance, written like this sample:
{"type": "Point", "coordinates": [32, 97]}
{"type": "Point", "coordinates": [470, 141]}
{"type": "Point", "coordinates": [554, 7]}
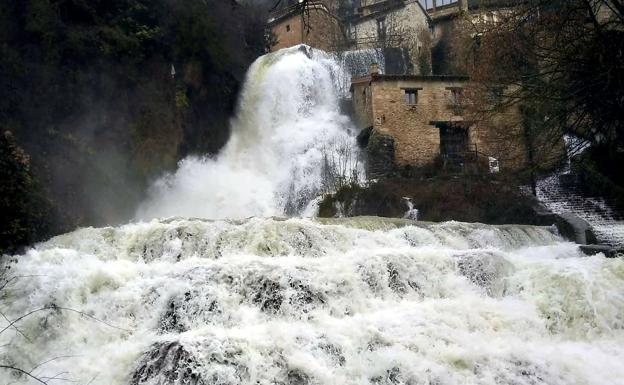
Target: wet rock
{"type": "Point", "coordinates": [167, 363]}
{"type": "Point", "coordinates": [392, 376]}
{"type": "Point", "coordinates": [485, 270]}
{"type": "Point", "coordinates": [304, 298]}
{"type": "Point", "coordinates": [394, 280]}
{"type": "Point", "coordinates": [269, 296]}
{"type": "Point", "coordinates": [591, 250]}
{"type": "Point", "coordinates": [334, 352]}
{"type": "Point", "coordinates": [575, 229]}
{"type": "Point", "coordinates": [184, 309]}
{"type": "Point", "coordinates": [523, 373]}
{"type": "Point", "coordinates": [297, 377]}
{"type": "Point", "coordinates": [381, 148]}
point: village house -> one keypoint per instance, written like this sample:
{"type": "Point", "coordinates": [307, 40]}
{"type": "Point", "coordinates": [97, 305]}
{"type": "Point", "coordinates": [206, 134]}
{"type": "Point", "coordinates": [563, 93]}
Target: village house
{"type": "Point", "coordinates": [408, 117]}
{"type": "Point", "coordinates": [313, 23]}
{"type": "Point", "coordinates": [400, 28]}
{"type": "Point", "coordinates": [414, 120]}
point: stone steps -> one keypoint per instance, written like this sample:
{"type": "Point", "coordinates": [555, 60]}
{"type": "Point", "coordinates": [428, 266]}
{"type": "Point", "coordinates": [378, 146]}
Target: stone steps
{"type": "Point", "coordinates": [601, 213]}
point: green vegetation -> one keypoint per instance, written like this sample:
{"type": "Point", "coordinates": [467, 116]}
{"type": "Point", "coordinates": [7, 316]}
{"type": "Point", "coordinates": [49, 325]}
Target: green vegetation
{"type": "Point", "coordinates": [88, 93]}
{"type": "Point", "coordinates": [462, 198]}
{"type": "Point", "coordinates": [24, 210]}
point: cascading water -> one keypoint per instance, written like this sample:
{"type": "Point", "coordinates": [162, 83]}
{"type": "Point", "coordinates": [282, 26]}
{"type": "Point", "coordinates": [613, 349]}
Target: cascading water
{"type": "Point", "coordinates": [606, 220]}
{"type": "Point", "coordinates": [297, 301]}
{"type": "Point", "coordinates": [287, 136]}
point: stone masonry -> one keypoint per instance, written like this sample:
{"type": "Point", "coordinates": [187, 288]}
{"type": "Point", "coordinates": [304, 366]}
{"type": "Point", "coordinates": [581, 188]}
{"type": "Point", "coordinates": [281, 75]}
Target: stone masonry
{"type": "Point", "coordinates": [315, 26]}
{"type": "Point", "coordinates": [380, 102]}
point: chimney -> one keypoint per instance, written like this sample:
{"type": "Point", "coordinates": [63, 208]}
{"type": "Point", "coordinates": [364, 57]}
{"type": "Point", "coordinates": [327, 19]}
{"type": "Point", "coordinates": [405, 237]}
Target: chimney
{"type": "Point", "coordinates": [374, 69]}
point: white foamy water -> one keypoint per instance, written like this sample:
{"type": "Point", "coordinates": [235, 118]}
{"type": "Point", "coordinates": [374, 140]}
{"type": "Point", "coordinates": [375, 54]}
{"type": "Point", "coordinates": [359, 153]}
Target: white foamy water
{"type": "Point", "coordinates": [602, 214]}
{"type": "Point", "coordinates": [366, 301]}
{"type": "Point", "coordinates": [288, 128]}
{"type": "Point", "coordinates": [297, 301]}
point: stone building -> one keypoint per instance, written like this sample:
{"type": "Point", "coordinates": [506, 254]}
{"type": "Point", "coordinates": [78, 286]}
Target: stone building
{"type": "Point", "coordinates": [453, 19]}
{"type": "Point", "coordinates": [412, 120]}
{"type": "Point", "coordinates": [401, 28]}
{"type": "Point", "coordinates": [313, 23]}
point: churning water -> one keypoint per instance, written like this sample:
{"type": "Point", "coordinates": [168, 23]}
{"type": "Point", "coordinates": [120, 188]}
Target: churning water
{"type": "Point", "coordinates": [297, 301]}
{"type": "Point", "coordinates": [287, 137]}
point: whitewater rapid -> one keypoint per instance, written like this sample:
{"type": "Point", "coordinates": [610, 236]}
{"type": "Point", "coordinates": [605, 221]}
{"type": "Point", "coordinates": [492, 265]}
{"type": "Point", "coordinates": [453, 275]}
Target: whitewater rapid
{"type": "Point", "coordinates": [301, 301]}
{"type": "Point", "coordinates": [288, 141]}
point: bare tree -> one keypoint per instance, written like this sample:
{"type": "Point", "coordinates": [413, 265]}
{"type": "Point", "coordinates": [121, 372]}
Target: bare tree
{"type": "Point", "coordinates": [560, 63]}
{"type": "Point", "coordinates": [341, 166]}
{"type": "Point", "coordinates": [6, 280]}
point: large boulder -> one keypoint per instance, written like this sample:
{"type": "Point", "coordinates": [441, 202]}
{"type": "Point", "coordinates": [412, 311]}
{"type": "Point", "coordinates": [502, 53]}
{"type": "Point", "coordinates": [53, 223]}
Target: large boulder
{"type": "Point", "coordinates": [576, 229]}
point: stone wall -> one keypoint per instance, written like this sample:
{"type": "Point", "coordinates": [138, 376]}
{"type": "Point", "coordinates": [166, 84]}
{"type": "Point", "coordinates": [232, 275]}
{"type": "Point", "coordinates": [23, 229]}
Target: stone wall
{"type": "Point", "coordinates": [417, 141]}
{"type": "Point", "coordinates": [288, 32]}
{"type": "Point", "coordinates": [361, 100]}
{"type": "Point", "coordinates": [415, 128]}
{"type": "Point", "coordinates": [317, 28]}
{"type": "Point", "coordinates": [404, 25]}
{"type": "Point", "coordinates": [325, 31]}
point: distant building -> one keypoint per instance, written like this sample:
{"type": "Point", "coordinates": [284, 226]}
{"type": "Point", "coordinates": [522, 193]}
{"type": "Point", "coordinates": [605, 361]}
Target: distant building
{"type": "Point", "coordinates": [385, 23]}
{"type": "Point", "coordinates": [411, 120]}
{"type": "Point", "coordinates": [399, 28]}
{"type": "Point", "coordinates": [407, 116]}
{"type": "Point", "coordinates": [312, 22]}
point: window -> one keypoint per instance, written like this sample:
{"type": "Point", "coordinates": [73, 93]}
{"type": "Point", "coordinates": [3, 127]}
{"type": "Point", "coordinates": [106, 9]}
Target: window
{"type": "Point", "coordinates": [456, 100]}
{"type": "Point", "coordinates": [411, 97]}
{"type": "Point", "coordinates": [287, 27]}
{"type": "Point", "coordinates": [456, 94]}
{"type": "Point", "coordinates": [381, 28]}
{"type": "Point", "coordinates": [454, 140]}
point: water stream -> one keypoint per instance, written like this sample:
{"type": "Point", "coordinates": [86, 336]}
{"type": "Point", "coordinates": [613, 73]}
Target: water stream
{"type": "Point", "coordinates": [264, 300]}
{"type": "Point", "coordinates": [288, 139]}
{"type": "Point", "coordinates": [298, 301]}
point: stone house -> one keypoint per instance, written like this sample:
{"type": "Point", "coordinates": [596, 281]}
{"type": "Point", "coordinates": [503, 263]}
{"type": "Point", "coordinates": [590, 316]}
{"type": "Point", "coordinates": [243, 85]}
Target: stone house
{"type": "Point", "coordinates": [401, 28]}
{"type": "Point", "coordinates": [449, 22]}
{"type": "Point", "coordinates": [313, 23]}
{"type": "Point", "coordinates": [413, 120]}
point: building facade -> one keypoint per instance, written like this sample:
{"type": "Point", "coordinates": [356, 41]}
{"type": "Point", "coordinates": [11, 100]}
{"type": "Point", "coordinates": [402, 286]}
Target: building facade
{"type": "Point", "coordinates": [425, 120]}
{"type": "Point", "coordinates": [313, 23]}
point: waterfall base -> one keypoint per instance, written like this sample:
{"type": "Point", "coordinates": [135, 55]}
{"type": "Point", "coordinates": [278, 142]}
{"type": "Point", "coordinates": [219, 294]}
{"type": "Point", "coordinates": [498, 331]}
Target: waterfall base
{"type": "Point", "coordinates": [334, 301]}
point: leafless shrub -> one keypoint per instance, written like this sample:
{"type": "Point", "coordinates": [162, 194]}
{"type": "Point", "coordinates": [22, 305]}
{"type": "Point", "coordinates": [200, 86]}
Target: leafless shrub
{"type": "Point", "coordinates": [341, 165]}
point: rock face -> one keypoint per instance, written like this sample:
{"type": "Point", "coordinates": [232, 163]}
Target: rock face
{"type": "Point", "coordinates": [576, 229]}
{"type": "Point", "coordinates": [381, 159]}
{"type": "Point", "coordinates": [591, 250]}
{"type": "Point", "coordinates": [166, 363]}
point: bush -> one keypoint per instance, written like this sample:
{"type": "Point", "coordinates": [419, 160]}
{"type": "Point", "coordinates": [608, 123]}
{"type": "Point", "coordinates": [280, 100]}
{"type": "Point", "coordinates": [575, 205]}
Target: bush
{"type": "Point", "coordinates": [25, 212]}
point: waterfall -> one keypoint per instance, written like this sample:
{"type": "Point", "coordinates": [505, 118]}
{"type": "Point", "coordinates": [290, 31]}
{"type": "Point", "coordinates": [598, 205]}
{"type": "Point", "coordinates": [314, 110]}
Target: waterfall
{"type": "Point", "coordinates": [357, 63]}
{"type": "Point", "coordinates": [234, 300]}
{"type": "Point", "coordinates": [301, 301]}
{"type": "Point", "coordinates": [606, 220]}
{"type": "Point", "coordinates": [287, 137]}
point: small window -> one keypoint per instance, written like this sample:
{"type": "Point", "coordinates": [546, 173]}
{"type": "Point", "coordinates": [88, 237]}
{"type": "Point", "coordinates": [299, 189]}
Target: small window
{"type": "Point", "coordinates": [456, 100]}
{"type": "Point", "coordinates": [456, 94]}
{"type": "Point", "coordinates": [287, 27]}
{"type": "Point", "coordinates": [381, 28]}
{"type": "Point", "coordinates": [411, 97]}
